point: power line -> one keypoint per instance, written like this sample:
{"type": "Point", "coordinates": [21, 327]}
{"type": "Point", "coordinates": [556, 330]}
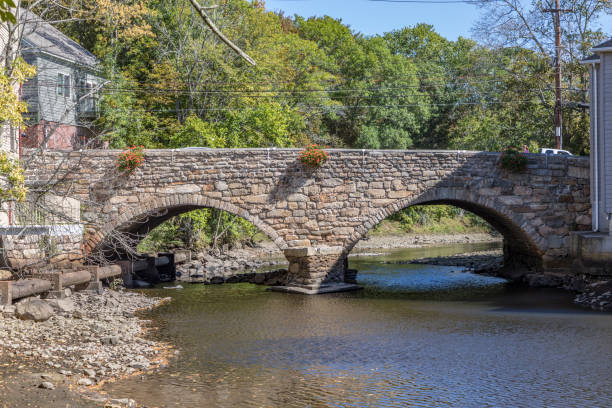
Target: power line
{"type": "Point", "coordinates": [281, 92]}
{"type": "Point", "coordinates": [342, 107]}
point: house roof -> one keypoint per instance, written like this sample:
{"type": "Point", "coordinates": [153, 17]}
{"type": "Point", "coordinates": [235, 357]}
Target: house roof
{"type": "Point", "coordinates": [41, 36]}
{"type": "Point", "coordinates": [604, 46]}
{"type": "Point", "coordinates": [590, 59]}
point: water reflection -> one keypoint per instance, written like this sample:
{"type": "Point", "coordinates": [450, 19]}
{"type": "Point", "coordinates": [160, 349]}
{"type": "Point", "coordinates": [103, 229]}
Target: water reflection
{"type": "Point", "coordinates": [416, 336]}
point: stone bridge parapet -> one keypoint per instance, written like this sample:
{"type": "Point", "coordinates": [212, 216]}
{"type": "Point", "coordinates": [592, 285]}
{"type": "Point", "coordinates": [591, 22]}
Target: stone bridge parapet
{"type": "Point", "coordinates": [317, 215]}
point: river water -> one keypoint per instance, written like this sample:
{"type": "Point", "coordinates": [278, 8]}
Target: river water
{"type": "Point", "coordinates": [416, 336]}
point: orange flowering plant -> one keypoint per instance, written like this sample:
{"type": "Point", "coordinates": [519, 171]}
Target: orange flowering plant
{"type": "Point", "coordinates": [313, 156]}
{"type": "Point", "coordinates": [130, 159]}
{"type": "Point", "coordinates": [513, 160]}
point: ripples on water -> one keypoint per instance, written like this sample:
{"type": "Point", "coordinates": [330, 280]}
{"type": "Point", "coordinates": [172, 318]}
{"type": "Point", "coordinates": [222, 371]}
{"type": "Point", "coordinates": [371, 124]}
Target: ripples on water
{"type": "Point", "coordinates": [416, 336]}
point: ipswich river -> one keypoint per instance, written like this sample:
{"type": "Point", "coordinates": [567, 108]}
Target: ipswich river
{"type": "Point", "coordinates": [416, 336]}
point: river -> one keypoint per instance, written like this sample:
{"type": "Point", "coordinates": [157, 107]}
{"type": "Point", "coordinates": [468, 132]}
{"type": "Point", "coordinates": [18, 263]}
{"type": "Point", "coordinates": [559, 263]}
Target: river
{"type": "Point", "coordinates": [416, 336]}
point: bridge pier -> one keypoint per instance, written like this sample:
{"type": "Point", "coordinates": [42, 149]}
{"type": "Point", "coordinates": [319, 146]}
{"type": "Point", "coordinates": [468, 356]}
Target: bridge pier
{"type": "Point", "coordinates": [316, 270]}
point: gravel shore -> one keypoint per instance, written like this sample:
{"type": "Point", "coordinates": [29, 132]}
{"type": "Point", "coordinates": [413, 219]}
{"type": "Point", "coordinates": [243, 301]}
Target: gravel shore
{"type": "Point", "coordinates": [418, 241]}
{"type": "Point", "coordinates": [91, 339]}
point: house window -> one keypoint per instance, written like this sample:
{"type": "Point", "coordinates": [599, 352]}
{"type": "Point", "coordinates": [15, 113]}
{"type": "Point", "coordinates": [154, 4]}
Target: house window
{"type": "Point", "coordinates": [60, 84]}
{"type": "Point", "coordinates": [63, 85]}
{"type": "Point", "coordinates": [91, 96]}
{"type": "Point", "coordinates": [67, 86]}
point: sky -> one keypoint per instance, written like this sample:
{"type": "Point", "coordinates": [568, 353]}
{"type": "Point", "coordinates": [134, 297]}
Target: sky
{"type": "Point", "coordinates": [368, 17]}
{"type": "Point", "coordinates": [371, 17]}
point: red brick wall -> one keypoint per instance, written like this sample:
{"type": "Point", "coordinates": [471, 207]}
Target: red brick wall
{"type": "Point", "coordinates": [60, 136]}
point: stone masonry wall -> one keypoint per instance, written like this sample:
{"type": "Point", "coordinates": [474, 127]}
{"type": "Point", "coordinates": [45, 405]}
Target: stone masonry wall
{"type": "Point", "coordinates": [31, 248]}
{"type": "Point", "coordinates": [333, 207]}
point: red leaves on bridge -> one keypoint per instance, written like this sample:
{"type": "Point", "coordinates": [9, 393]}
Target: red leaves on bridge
{"type": "Point", "coordinates": [130, 159]}
{"type": "Point", "coordinates": [313, 156]}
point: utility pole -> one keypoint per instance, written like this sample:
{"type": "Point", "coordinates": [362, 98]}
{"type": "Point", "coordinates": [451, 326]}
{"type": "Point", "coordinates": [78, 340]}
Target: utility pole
{"type": "Point", "coordinates": [556, 14]}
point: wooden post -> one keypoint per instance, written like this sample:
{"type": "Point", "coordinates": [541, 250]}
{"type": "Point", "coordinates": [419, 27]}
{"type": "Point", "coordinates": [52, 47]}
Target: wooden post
{"type": "Point", "coordinates": [6, 293]}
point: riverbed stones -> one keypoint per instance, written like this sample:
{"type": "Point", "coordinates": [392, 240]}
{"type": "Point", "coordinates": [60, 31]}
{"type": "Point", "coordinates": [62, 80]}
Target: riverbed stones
{"type": "Point", "coordinates": [480, 262]}
{"type": "Point", "coordinates": [65, 305]}
{"type": "Point", "coordinates": [47, 385]}
{"type": "Point", "coordinates": [85, 382]}
{"type": "Point", "coordinates": [72, 345]}
{"type": "Point", "coordinates": [33, 309]}
{"type": "Point", "coordinates": [120, 403]}
{"type": "Point", "coordinates": [596, 296]}
{"type": "Point", "coordinates": [7, 310]}
{"type": "Point", "coordinates": [544, 280]}
{"type": "Point", "coordinates": [89, 372]}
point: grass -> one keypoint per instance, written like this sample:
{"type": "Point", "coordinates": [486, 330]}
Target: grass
{"type": "Point", "coordinates": [444, 226]}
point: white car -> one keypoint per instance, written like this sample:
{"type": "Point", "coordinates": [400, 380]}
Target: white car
{"type": "Point", "coordinates": [559, 152]}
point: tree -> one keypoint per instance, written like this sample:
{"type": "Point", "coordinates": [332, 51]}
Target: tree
{"type": "Point", "coordinates": [512, 23]}
{"type": "Point", "coordinates": [379, 104]}
{"type": "Point", "coordinates": [6, 11]}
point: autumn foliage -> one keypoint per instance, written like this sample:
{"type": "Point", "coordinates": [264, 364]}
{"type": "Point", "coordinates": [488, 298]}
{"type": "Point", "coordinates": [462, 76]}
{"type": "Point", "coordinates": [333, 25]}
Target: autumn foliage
{"type": "Point", "coordinates": [130, 159]}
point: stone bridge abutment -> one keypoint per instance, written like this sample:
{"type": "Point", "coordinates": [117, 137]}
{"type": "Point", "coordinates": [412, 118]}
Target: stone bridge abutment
{"type": "Point", "coordinates": [316, 216]}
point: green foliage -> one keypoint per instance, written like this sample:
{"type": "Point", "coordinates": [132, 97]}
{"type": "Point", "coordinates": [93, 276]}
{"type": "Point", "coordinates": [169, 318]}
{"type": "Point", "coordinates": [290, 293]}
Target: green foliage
{"type": "Point", "coordinates": [173, 84]}
{"type": "Point", "coordinates": [6, 15]}
{"type": "Point", "coordinates": [200, 229]}
{"type": "Point", "coordinates": [513, 160]}
{"type": "Point", "coordinates": [436, 219]}
{"type": "Point", "coordinates": [11, 106]}
{"type": "Point", "coordinates": [13, 186]}
{"type": "Point", "coordinates": [196, 132]}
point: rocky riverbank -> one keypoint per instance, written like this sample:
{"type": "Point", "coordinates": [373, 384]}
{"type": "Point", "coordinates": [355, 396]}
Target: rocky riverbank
{"type": "Point", "coordinates": [484, 262]}
{"type": "Point", "coordinates": [419, 241]}
{"type": "Point", "coordinates": [596, 296]}
{"type": "Point", "coordinates": [237, 265]}
{"type": "Point", "coordinates": [219, 266]}
{"type": "Point", "coordinates": [88, 339]}
{"type": "Point", "coordinates": [593, 295]}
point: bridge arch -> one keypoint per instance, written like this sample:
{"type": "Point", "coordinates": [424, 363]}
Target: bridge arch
{"type": "Point", "coordinates": [522, 244]}
{"type": "Point", "coordinates": [148, 212]}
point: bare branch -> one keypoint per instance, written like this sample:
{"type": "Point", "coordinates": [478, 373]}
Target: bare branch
{"type": "Point", "coordinates": [216, 30]}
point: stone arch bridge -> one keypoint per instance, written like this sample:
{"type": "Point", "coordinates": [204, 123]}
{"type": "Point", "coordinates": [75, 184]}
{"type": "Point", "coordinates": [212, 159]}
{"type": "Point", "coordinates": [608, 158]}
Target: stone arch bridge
{"type": "Point", "coordinates": [316, 216]}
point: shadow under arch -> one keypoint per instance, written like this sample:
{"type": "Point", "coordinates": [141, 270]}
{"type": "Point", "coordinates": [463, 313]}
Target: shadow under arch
{"type": "Point", "coordinates": [150, 212]}
{"type": "Point", "coordinates": [520, 247]}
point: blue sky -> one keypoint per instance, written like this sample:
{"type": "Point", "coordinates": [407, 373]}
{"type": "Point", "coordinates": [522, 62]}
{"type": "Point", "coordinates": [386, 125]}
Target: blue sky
{"type": "Point", "coordinates": [369, 17]}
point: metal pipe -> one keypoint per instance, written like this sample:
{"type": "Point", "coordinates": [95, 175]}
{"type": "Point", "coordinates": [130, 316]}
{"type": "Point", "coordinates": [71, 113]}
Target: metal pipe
{"type": "Point", "coordinates": [594, 109]}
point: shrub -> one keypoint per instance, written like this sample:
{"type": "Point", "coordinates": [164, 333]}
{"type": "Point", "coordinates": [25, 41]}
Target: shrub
{"type": "Point", "coordinates": [130, 159]}
{"type": "Point", "coordinates": [513, 160]}
{"type": "Point", "coordinates": [12, 181]}
{"type": "Point", "coordinates": [313, 156]}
